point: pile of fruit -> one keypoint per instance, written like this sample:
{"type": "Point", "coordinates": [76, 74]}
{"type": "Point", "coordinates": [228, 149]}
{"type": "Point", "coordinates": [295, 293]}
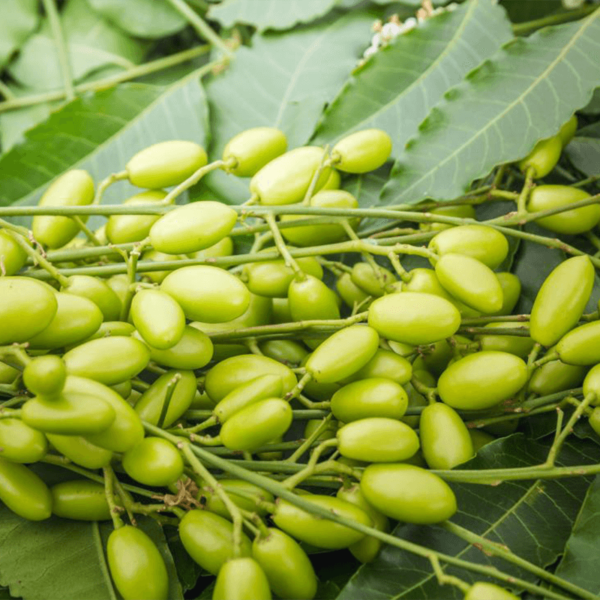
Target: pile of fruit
{"type": "Point", "coordinates": [296, 394]}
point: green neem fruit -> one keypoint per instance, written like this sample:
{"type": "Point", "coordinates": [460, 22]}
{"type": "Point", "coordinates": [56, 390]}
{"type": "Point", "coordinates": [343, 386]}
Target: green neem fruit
{"type": "Point", "coordinates": [258, 313]}
{"type": "Point", "coordinates": [286, 179]}
{"type": "Point", "coordinates": [21, 443]}
{"type": "Point", "coordinates": [377, 440]}
{"type": "Point", "coordinates": [27, 307]}
{"type": "Point", "coordinates": [208, 539]}
{"type": "Point", "coordinates": [250, 150]}
{"type": "Point", "coordinates": [74, 188]}
{"type": "Point", "coordinates": [371, 282]}
{"type": "Point", "coordinates": [513, 344]}
{"type": "Point", "coordinates": [477, 241]}
{"type": "Point", "coordinates": [414, 318]}
{"type": "Point", "coordinates": [158, 318]}
{"type": "Point", "coordinates": [461, 211]}
{"type": "Point", "coordinates": [556, 376]}
{"type": "Point", "coordinates": [207, 293]}
{"type": "Point", "coordinates": [342, 354]}
{"type": "Point", "coordinates": [272, 278]}
{"type": "Point", "coordinates": [12, 256]}
{"type": "Point", "coordinates": [479, 439]}
{"type": "Point", "coordinates": [80, 500]}
{"type": "Point", "coordinates": [159, 257]}
{"type": "Point", "coordinates": [151, 405]}
{"type": "Point", "coordinates": [81, 451]}
{"type": "Point", "coordinates": [408, 493]}
{"type": "Point", "coordinates": [362, 151]}
{"type": "Point", "coordinates": [108, 360]}
{"type": "Point", "coordinates": [311, 299]}
{"type": "Point", "coordinates": [316, 530]}
{"type": "Point", "coordinates": [591, 383]}
{"type": "Point", "coordinates": [416, 400]}
{"type": "Point", "coordinates": [327, 434]}
{"type": "Point", "coordinates": [581, 346]}
{"type": "Point", "coordinates": [223, 247]}
{"type": "Point", "coordinates": [425, 281]}
{"type": "Point", "coordinates": [154, 462]}
{"type": "Point", "coordinates": [193, 351]}
{"type": "Point", "coordinates": [543, 158]}
{"type": "Point", "coordinates": [98, 291]}
{"type": "Point", "coordinates": [8, 374]}
{"type": "Point", "coordinates": [373, 397]}
{"type": "Point", "coordinates": [286, 565]}
{"type": "Point", "coordinates": [113, 329]}
{"type": "Point", "coordinates": [126, 229]}
{"type": "Point", "coordinates": [24, 492]}
{"type": "Point", "coordinates": [511, 290]}
{"type": "Point", "coordinates": [445, 439]}
{"type": "Point", "coordinates": [250, 392]}
{"type": "Point", "coordinates": [124, 389]}
{"type": "Point", "coordinates": [241, 579]}
{"type": "Point", "coordinates": [287, 352]}
{"type": "Point", "coordinates": [231, 486]}
{"type": "Point", "coordinates": [76, 319]}
{"type": "Point", "coordinates": [567, 132]}
{"type": "Point", "coordinates": [488, 591]}
{"type": "Point", "coordinates": [257, 425]}
{"type": "Point", "coordinates": [165, 164]}
{"type": "Point", "coordinates": [470, 281]}
{"type": "Point", "coordinates": [233, 372]}
{"type": "Point", "coordinates": [45, 375]}
{"type": "Point", "coordinates": [482, 380]}
{"type": "Point", "coordinates": [594, 420]}
{"type": "Point", "coordinates": [136, 565]}
{"type": "Point", "coordinates": [316, 235]}
{"type": "Point", "coordinates": [192, 227]}
{"type": "Point", "coordinates": [350, 293]}
{"type": "Point", "coordinates": [386, 364]}
{"type": "Point", "coordinates": [578, 220]}
{"type": "Point", "coordinates": [561, 300]}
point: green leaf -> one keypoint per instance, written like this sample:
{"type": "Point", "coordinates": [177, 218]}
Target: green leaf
{"type": "Point", "coordinates": [20, 19]}
{"type": "Point", "coordinates": [584, 153]}
{"type": "Point", "coordinates": [521, 95]}
{"type": "Point", "coordinates": [142, 18]}
{"type": "Point", "coordinates": [283, 81]}
{"type": "Point", "coordinates": [402, 82]}
{"type": "Point", "coordinates": [593, 107]}
{"type": "Point", "coordinates": [269, 14]}
{"type": "Point", "coordinates": [532, 518]}
{"type": "Point", "coordinates": [99, 132]}
{"type": "Point", "coordinates": [520, 11]}
{"type": "Point", "coordinates": [580, 562]}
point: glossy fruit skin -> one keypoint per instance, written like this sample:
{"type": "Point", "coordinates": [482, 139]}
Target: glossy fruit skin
{"type": "Point", "coordinates": [250, 392]}
{"type": "Point", "coordinates": [445, 439]}
{"type": "Point", "coordinates": [567, 132]}
{"type": "Point", "coordinates": [511, 291]}
{"type": "Point", "coordinates": [45, 375]}
{"type": "Point", "coordinates": [233, 372]}
{"type": "Point", "coordinates": [7, 373]}
{"type": "Point", "coordinates": [414, 318]}
{"type": "Point", "coordinates": [594, 420]}
{"type": "Point", "coordinates": [286, 179]}
{"type": "Point", "coordinates": [342, 354]}
{"type": "Point", "coordinates": [377, 440]}
{"type": "Point", "coordinates": [272, 278]}
{"type": "Point", "coordinates": [288, 352]}
{"type": "Point", "coordinates": [159, 257]}
{"type": "Point", "coordinates": [108, 360]}
{"type": "Point", "coordinates": [316, 530]}
{"type": "Point", "coordinates": [13, 257]}
{"type": "Point", "coordinates": [193, 351]}
{"type": "Point", "coordinates": [513, 344]}
{"type": "Point", "coordinates": [311, 299]}
{"type": "Point", "coordinates": [477, 241]}
{"type": "Point", "coordinates": [591, 384]}
{"type": "Point", "coordinates": [215, 504]}
{"type": "Point", "coordinates": [408, 493]}
{"type": "Point", "coordinates": [149, 407]}
{"type": "Point", "coordinates": [556, 376]}
{"type": "Point", "coordinates": [373, 397]}
{"type": "Point", "coordinates": [98, 292]}
{"type": "Point", "coordinates": [76, 319]}
{"type": "Point", "coordinates": [208, 539]}
{"type": "Point", "coordinates": [192, 227]}
{"type": "Point", "coordinates": [158, 318]}
{"type": "Point", "coordinates": [482, 380]}
{"type": "Point", "coordinates": [253, 148]}
{"type": "Point", "coordinates": [241, 579]}
{"type": "Point", "coordinates": [154, 461]}
{"type": "Point", "coordinates": [24, 492]}
{"type": "Point", "coordinates": [578, 220]}
{"type": "Point", "coordinates": [386, 364]}
{"type": "Point", "coordinates": [73, 188]}
{"type": "Point", "coordinates": [350, 293]}
{"type": "Point", "coordinates": [470, 281]}
{"type": "Point", "coordinates": [581, 346]}
{"type": "Point", "coordinates": [561, 300]}
{"type": "Point", "coordinates": [125, 229]}
{"type": "Point", "coordinates": [316, 235]}
{"type": "Point", "coordinates": [80, 500]}
{"type": "Point", "coordinates": [362, 151]}
{"type": "Point", "coordinates": [257, 425]}
{"type": "Point", "coordinates": [81, 451]}
{"type": "Point", "coordinates": [479, 439]}
{"type": "Point", "coordinates": [286, 565]}
{"type": "Point", "coordinates": [165, 164]}
{"type": "Point", "coordinates": [462, 211]}
{"type": "Point", "coordinates": [207, 293]}
{"type": "Point", "coordinates": [223, 247]}
{"type": "Point", "coordinates": [21, 443]}
{"type": "Point", "coordinates": [416, 400]}
{"type": "Point", "coordinates": [136, 566]}
{"type": "Point", "coordinates": [488, 591]}
{"type": "Point", "coordinates": [543, 158]}
{"type": "Point", "coordinates": [327, 434]}
{"type": "Point", "coordinates": [27, 307]}
{"type": "Point", "coordinates": [366, 279]}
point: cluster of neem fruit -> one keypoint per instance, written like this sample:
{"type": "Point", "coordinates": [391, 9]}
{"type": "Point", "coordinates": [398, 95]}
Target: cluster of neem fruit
{"type": "Point", "coordinates": [103, 371]}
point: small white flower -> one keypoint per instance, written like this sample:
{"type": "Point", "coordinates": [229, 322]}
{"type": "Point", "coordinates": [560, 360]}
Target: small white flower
{"type": "Point", "coordinates": [571, 4]}
{"type": "Point", "coordinates": [390, 31]}
{"type": "Point", "coordinates": [376, 40]}
{"type": "Point", "coordinates": [409, 24]}
{"type": "Point", "coordinates": [370, 51]}
{"type": "Point", "coordinates": [437, 11]}
{"type": "Point", "coordinates": [452, 7]}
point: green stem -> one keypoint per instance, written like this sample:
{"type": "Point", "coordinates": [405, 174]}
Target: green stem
{"type": "Point", "coordinates": [309, 441]}
{"type": "Point", "coordinates": [288, 259]}
{"type": "Point", "coordinates": [106, 183]}
{"type": "Point", "coordinates": [171, 387]}
{"type": "Point", "coordinates": [192, 180]}
{"type": "Point", "coordinates": [525, 191]}
{"type": "Point", "coordinates": [563, 17]}
{"type": "Point", "coordinates": [110, 497]}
